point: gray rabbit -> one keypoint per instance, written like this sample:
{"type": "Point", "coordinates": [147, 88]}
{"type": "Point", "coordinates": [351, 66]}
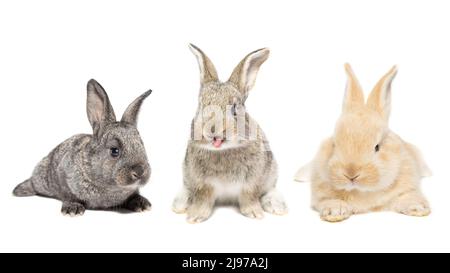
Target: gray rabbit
{"type": "Point", "coordinates": [231, 163]}
{"type": "Point", "coordinates": [100, 171]}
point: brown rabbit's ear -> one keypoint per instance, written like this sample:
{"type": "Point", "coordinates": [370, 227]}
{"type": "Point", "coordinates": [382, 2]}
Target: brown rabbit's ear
{"type": "Point", "coordinates": [208, 72]}
{"type": "Point", "coordinates": [380, 97]}
{"type": "Point", "coordinates": [354, 95]}
{"type": "Point", "coordinates": [99, 109]}
{"type": "Point", "coordinates": [131, 113]}
{"type": "Point", "coordinates": [244, 75]}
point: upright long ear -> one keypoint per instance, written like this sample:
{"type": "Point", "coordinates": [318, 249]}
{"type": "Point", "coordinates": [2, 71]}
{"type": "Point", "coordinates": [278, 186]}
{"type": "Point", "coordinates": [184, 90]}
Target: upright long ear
{"type": "Point", "coordinates": [244, 75]}
{"type": "Point", "coordinates": [208, 72]}
{"type": "Point", "coordinates": [99, 109]}
{"type": "Point", "coordinates": [354, 95]}
{"type": "Point", "coordinates": [131, 113]}
{"type": "Point", "coordinates": [380, 97]}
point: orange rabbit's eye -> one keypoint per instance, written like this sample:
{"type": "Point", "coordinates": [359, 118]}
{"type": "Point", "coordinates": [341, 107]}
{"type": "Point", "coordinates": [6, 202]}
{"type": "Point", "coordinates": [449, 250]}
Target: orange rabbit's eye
{"type": "Point", "coordinates": [377, 147]}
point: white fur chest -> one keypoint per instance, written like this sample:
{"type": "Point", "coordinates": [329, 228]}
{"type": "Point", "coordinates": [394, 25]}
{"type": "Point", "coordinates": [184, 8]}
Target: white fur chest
{"type": "Point", "coordinates": [226, 191]}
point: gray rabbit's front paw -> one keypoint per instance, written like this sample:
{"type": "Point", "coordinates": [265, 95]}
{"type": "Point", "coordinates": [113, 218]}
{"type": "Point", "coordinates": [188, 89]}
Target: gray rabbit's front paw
{"type": "Point", "coordinates": [72, 209]}
{"type": "Point", "coordinates": [138, 203]}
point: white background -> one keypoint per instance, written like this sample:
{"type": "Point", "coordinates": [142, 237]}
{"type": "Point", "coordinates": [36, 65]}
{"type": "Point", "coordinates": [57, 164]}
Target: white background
{"type": "Point", "coordinates": [50, 49]}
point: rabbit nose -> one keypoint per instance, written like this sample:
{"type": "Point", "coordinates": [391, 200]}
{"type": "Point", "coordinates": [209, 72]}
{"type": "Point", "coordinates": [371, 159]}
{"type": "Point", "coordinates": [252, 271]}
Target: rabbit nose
{"type": "Point", "coordinates": [351, 178]}
{"type": "Point", "coordinates": [352, 172]}
{"type": "Point", "coordinates": [137, 172]}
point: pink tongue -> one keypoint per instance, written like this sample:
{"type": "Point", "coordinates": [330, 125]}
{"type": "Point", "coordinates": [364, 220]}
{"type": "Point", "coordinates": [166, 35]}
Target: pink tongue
{"type": "Point", "coordinates": [217, 143]}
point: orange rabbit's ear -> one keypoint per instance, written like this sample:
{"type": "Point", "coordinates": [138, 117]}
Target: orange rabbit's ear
{"type": "Point", "coordinates": [354, 95]}
{"type": "Point", "coordinates": [380, 97]}
{"type": "Point", "coordinates": [208, 72]}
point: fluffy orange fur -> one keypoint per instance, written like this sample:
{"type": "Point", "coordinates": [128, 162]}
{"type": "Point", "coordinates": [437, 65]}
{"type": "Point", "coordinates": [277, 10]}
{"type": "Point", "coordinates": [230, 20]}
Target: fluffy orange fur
{"type": "Point", "coordinates": [364, 166]}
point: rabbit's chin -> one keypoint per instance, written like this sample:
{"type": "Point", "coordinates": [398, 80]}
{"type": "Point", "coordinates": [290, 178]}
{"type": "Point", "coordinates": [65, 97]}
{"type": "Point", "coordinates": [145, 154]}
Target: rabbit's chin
{"type": "Point", "coordinates": [381, 185]}
{"type": "Point", "coordinates": [132, 186]}
{"type": "Point", "coordinates": [355, 187]}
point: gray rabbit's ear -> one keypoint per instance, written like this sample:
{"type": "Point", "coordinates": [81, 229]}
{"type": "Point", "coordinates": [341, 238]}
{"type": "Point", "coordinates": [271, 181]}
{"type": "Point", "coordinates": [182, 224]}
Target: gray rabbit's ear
{"type": "Point", "coordinates": [244, 75]}
{"type": "Point", "coordinates": [208, 72]}
{"type": "Point", "coordinates": [131, 113]}
{"type": "Point", "coordinates": [99, 109]}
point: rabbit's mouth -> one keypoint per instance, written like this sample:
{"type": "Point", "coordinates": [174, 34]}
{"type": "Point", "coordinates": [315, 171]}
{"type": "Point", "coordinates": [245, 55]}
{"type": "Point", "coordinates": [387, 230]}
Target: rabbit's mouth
{"type": "Point", "coordinates": [133, 184]}
{"type": "Point", "coordinates": [133, 177]}
{"type": "Point", "coordinates": [217, 142]}
{"type": "Point", "coordinates": [220, 144]}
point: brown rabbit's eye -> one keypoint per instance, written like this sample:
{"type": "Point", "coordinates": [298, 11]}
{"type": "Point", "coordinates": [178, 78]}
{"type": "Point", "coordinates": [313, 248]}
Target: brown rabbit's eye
{"type": "Point", "coordinates": [377, 147]}
{"type": "Point", "coordinates": [115, 152]}
{"type": "Point", "coordinates": [233, 110]}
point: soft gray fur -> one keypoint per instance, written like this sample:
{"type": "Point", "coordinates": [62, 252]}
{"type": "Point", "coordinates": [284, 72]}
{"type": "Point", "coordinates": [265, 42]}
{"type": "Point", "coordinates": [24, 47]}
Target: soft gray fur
{"type": "Point", "coordinates": [244, 163]}
{"type": "Point", "coordinates": [82, 171]}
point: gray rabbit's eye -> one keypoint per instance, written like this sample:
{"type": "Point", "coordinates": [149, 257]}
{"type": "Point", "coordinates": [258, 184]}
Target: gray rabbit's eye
{"type": "Point", "coordinates": [115, 152]}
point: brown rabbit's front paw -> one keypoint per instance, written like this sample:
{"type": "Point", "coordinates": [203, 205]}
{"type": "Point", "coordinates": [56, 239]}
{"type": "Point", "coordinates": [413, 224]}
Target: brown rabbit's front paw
{"type": "Point", "coordinates": [198, 214]}
{"type": "Point", "coordinates": [334, 210]}
{"type": "Point", "coordinates": [138, 203]}
{"type": "Point", "coordinates": [72, 209]}
{"type": "Point", "coordinates": [181, 202]}
{"type": "Point", "coordinates": [253, 211]}
{"type": "Point", "coordinates": [274, 203]}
